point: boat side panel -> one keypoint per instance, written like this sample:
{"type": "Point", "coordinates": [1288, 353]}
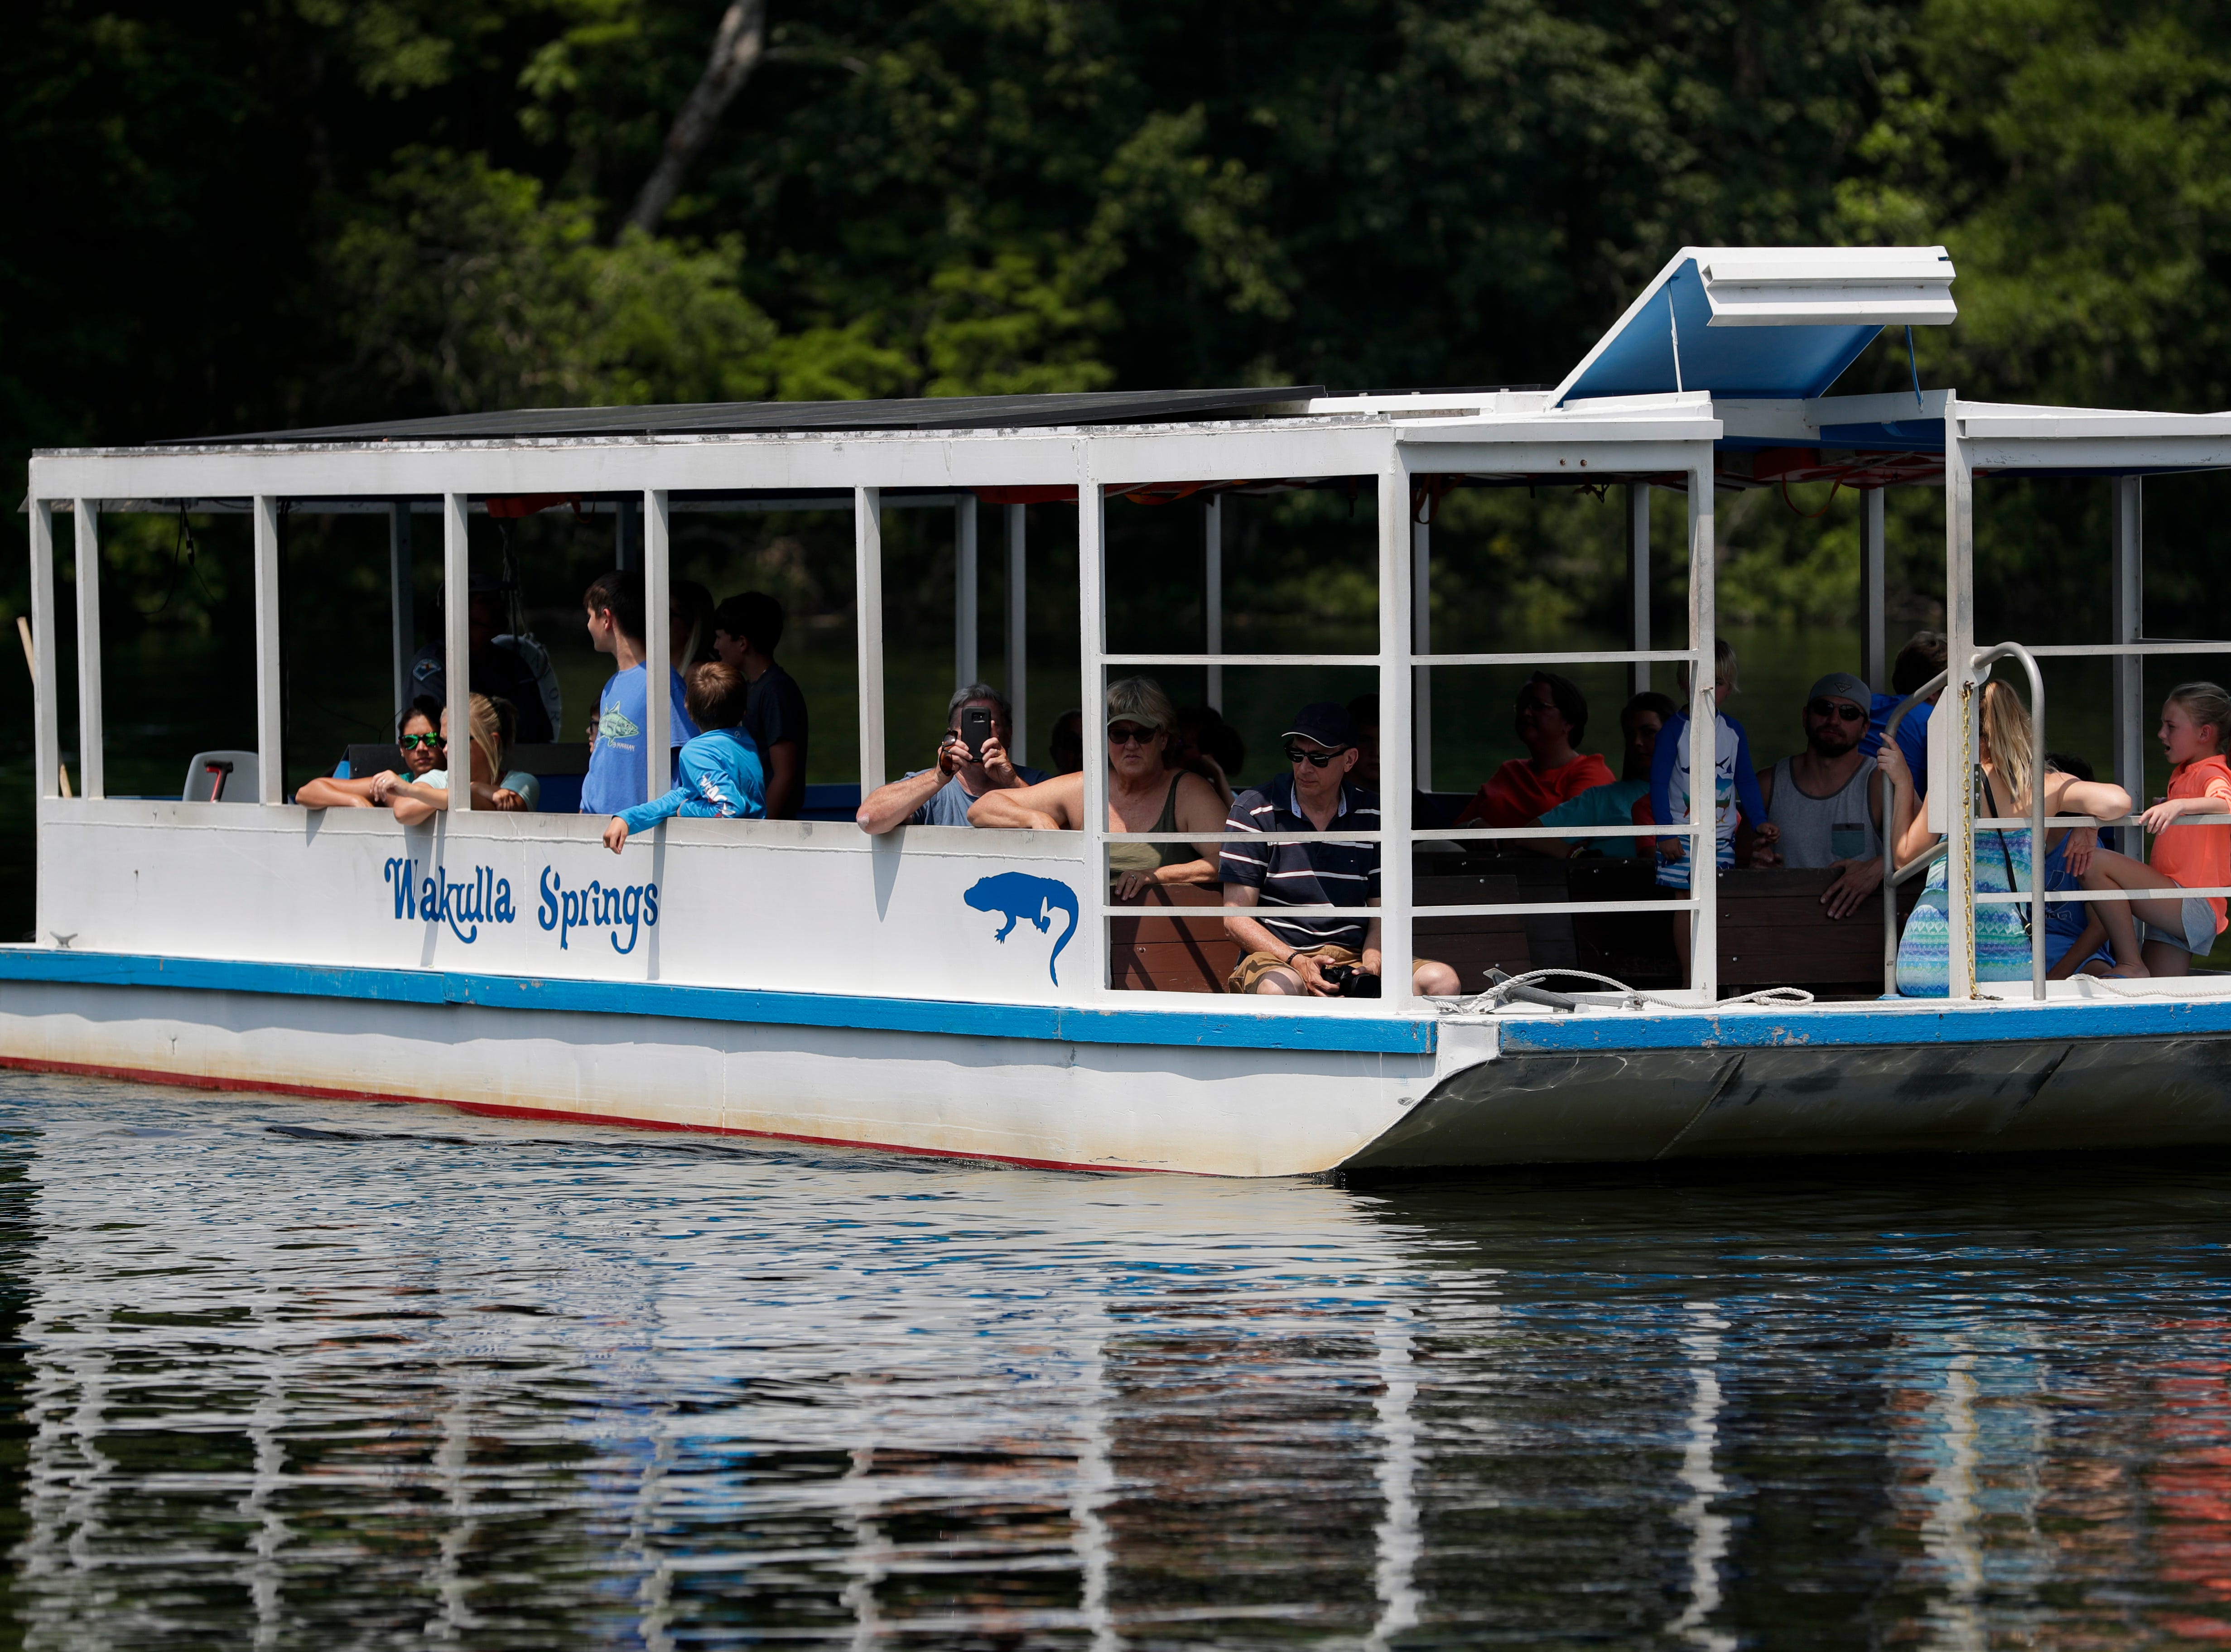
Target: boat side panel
{"type": "Point", "coordinates": [1247, 1112]}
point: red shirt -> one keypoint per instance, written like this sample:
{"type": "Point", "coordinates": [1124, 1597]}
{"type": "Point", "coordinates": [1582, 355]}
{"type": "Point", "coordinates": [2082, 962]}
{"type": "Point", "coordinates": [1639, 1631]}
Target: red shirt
{"type": "Point", "coordinates": [1518, 792]}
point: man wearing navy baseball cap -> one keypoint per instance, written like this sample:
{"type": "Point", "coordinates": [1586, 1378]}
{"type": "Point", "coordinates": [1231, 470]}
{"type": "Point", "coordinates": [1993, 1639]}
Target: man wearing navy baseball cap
{"type": "Point", "coordinates": [1331, 956]}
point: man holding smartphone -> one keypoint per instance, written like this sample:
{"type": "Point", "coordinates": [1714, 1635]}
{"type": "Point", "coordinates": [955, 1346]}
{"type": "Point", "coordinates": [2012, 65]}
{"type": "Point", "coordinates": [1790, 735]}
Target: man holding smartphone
{"type": "Point", "coordinates": [972, 760]}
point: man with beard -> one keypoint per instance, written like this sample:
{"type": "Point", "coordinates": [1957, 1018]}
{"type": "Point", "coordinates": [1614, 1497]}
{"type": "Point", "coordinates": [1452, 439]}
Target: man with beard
{"type": "Point", "coordinates": [1825, 799]}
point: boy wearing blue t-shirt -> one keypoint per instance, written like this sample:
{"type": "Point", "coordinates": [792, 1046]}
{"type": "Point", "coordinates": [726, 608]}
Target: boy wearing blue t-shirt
{"type": "Point", "coordinates": [618, 778]}
{"type": "Point", "coordinates": [721, 774]}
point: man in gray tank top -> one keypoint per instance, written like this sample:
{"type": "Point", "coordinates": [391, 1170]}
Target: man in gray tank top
{"type": "Point", "coordinates": [1825, 799]}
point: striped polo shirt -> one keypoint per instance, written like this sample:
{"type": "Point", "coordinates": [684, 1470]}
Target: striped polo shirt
{"type": "Point", "coordinates": [1323, 874]}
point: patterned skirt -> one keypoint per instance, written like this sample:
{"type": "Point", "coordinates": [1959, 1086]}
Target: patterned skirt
{"type": "Point", "coordinates": [2003, 952]}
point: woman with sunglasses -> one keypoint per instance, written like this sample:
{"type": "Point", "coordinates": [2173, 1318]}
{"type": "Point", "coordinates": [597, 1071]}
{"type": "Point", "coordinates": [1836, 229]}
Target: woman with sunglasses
{"type": "Point", "coordinates": [423, 749]}
{"type": "Point", "coordinates": [1145, 794]}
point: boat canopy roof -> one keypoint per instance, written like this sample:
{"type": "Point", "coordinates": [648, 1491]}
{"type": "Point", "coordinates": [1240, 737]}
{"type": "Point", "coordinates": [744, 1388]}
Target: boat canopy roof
{"type": "Point", "coordinates": [734, 418]}
{"type": "Point", "coordinates": [1736, 345]}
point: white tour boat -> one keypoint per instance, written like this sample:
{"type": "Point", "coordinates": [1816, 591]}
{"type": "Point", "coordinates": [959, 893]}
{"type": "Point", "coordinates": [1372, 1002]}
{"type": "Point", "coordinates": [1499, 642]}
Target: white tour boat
{"type": "Point", "coordinates": [976, 993]}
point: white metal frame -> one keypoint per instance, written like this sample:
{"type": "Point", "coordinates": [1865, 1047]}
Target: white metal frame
{"type": "Point", "coordinates": [1506, 436]}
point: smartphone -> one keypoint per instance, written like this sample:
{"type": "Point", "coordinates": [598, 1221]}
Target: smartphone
{"type": "Point", "coordinates": [975, 729]}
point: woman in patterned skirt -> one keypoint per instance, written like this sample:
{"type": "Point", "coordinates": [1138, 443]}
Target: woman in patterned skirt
{"type": "Point", "coordinates": [2003, 781]}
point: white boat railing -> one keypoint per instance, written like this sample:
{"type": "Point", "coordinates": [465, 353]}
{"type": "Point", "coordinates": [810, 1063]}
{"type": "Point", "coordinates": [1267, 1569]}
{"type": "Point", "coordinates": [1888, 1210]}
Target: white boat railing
{"type": "Point", "coordinates": [2037, 897]}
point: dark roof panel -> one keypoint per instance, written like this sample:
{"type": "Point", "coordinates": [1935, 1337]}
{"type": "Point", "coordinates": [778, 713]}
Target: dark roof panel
{"type": "Point", "coordinates": [722, 418]}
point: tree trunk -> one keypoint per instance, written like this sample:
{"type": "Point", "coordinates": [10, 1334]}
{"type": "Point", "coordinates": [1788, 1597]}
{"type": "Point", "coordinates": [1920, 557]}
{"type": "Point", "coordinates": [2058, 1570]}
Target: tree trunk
{"type": "Point", "coordinates": [737, 46]}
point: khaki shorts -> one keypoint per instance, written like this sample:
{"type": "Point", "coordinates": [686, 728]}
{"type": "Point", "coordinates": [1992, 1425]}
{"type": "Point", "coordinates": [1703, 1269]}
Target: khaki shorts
{"type": "Point", "coordinates": [1253, 967]}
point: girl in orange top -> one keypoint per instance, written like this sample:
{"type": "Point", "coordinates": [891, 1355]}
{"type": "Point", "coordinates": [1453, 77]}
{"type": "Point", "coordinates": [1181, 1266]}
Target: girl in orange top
{"type": "Point", "coordinates": [2195, 721]}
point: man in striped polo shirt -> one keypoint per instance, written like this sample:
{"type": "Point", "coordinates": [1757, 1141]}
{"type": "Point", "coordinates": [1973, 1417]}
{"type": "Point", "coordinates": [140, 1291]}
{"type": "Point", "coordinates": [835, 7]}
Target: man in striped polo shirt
{"type": "Point", "coordinates": [1290, 955]}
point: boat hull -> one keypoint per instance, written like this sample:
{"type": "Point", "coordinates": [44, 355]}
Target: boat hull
{"type": "Point", "coordinates": [1091, 1102]}
{"type": "Point", "coordinates": [1716, 1103]}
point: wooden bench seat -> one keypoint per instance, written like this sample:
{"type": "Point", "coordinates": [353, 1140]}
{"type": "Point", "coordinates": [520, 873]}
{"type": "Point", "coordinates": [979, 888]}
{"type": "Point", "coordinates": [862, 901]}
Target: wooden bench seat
{"type": "Point", "coordinates": [1158, 954]}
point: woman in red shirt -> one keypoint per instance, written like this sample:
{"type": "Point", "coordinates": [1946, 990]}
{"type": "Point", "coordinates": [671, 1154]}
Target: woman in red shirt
{"type": "Point", "coordinates": [1553, 717]}
{"type": "Point", "coordinates": [2171, 930]}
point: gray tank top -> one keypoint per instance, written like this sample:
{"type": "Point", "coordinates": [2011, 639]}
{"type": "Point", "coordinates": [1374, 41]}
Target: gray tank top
{"type": "Point", "coordinates": [1819, 831]}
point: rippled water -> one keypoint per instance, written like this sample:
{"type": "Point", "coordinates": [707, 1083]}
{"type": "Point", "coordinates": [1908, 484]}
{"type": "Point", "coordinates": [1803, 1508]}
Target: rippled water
{"type": "Point", "coordinates": [292, 1374]}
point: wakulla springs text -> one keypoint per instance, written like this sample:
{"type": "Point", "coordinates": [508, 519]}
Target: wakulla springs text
{"type": "Point", "coordinates": [481, 897]}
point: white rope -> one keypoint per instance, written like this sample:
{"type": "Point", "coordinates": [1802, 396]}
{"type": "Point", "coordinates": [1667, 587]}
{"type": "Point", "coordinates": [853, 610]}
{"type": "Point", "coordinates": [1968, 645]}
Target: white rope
{"type": "Point", "coordinates": [1492, 999]}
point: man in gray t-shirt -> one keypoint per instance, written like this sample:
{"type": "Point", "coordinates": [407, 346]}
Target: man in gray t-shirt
{"type": "Point", "coordinates": [1824, 799]}
{"type": "Point", "coordinates": [940, 796]}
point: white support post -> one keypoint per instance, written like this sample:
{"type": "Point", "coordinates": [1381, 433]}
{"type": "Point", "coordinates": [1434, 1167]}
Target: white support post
{"type": "Point", "coordinates": [1421, 641]}
{"type": "Point", "coordinates": [868, 606]}
{"type": "Point", "coordinates": [2127, 614]}
{"type": "Point", "coordinates": [46, 712]}
{"type": "Point", "coordinates": [964, 591]}
{"type": "Point", "coordinates": [90, 778]}
{"type": "Point", "coordinates": [1961, 701]}
{"type": "Point", "coordinates": [270, 685]}
{"type": "Point", "coordinates": [1213, 596]}
{"type": "Point", "coordinates": [1397, 546]}
{"type": "Point", "coordinates": [1874, 644]}
{"type": "Point", "coordinates": [1704, 740]}
{"type": "Point", "coordinates": [457, 649]}
{"type": "Point", "coordinates": [1018, 632]}
{"type": "Point", "coordinates": [399, 581]}
{"type": "Point", "coordinates": [1638, 583]}
{"type": "Point", "coordinates": [658, 645]}
{"type": "Point", "coordinates": [1092, 637]}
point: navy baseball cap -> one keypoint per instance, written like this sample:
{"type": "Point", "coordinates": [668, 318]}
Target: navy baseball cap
{"type": "Point", "coordinates": [1323, 721]}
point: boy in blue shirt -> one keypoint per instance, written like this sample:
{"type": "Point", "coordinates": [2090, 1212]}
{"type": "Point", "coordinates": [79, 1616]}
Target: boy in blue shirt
{"type": "Point", "coordinates": [618, 776]}
{"type": "Point", "coordinates": [720, 771]}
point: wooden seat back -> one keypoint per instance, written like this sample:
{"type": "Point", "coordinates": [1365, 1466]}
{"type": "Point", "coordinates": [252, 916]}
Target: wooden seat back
{"type": "Point", "coordinates": [1774, 931]}
{"type": "Point", "coordinates": [1471, 946]}
{"type": "Point", "coordinates": [1172, 954]}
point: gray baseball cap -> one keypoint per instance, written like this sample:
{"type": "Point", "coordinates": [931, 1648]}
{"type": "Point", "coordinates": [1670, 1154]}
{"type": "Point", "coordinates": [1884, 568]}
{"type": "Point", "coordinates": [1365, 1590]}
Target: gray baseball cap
{"type": "Point", "coordinates": [1842, 685]}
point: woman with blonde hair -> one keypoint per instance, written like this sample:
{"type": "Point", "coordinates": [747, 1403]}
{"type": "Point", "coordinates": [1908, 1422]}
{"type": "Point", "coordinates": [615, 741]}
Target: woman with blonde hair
{"type": "Point", "coordinates": [419, 800]}
{"type": "Point", "coordinates": [1145, 794]}
{"type": "Point", "coordinates": [2002, 782]}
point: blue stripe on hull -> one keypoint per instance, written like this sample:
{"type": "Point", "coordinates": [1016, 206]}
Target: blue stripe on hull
{"type": "Point", "coordinates": [1205, 1028]}
{"type": "Point", "coordinates": [1872, 1024]}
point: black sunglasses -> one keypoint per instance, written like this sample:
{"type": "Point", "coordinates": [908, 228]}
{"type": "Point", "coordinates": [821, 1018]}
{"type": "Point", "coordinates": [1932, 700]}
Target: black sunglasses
{"type": "Point", "coordinates": [1125, 734]}
{"type": "Point", "coordinates": [1314, 759]}
{"type": "Point", "coordinates": [1844, 710]}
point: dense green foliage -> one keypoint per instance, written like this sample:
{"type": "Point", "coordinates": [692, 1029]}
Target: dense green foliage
{"type": "Point", "coordinates": [239, 214]}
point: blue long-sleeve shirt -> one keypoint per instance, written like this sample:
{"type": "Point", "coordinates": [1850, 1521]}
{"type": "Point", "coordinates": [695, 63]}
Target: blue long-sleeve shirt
{"type": "Point", "coordinates": [1735, 782]}
{"type": "Point", "coordinates": [720, 776]}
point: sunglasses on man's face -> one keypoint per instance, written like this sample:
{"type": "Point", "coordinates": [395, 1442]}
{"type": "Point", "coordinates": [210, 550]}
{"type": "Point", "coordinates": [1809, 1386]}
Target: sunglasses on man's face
{"type": "Point", "coordinates": [431, 742]}
{"type": "Point", "coordinates": [1314, 759]}
{"type": "Point", "coordinates": [1843, 711]}
{"type": "Point", "coordinates": [1125, 734]}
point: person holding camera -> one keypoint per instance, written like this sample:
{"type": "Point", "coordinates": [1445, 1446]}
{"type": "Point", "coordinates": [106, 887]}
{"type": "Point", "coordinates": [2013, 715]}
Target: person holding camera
{"type": "Point", "coordinates": [972, 760]}
{"type": "Point", "coordinates": [1145, 793]}
{"type": "Point", "coordinates": [1324, 956]}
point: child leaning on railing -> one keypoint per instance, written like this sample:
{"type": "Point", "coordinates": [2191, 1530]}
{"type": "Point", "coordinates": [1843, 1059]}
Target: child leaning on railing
{"type": "Point", "coordinates": [2161, 934]}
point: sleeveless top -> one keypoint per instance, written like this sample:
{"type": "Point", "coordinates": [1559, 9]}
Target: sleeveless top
{"type": "Point", "coordinates": [2002, 865]}
{"type": "Point", "coordinates": [1819, 831]}
{"type": "Point", "coordinates": [1145, 857]}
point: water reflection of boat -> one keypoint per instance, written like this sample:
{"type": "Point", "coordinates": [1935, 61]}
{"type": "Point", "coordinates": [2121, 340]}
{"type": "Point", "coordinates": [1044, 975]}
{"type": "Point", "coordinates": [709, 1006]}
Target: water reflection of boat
{"type": "Point", "coordinates": [967, 992]}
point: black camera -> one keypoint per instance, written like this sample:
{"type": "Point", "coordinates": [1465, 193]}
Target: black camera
{"type": "Point", "coordinates": [1350, 981]}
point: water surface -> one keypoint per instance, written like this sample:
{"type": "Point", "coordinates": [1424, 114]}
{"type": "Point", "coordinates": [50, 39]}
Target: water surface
{"type": "Point", "coordinates": [297, 1374]}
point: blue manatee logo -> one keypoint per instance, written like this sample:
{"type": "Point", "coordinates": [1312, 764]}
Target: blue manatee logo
{"type": "Point", "coordinates": [1020, 897]}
